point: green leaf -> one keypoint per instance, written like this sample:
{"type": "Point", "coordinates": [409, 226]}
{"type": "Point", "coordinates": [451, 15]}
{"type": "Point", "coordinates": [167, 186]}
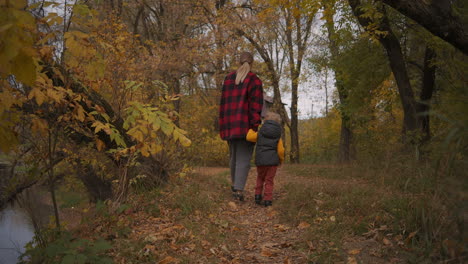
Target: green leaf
{"type": "Point", "coordinates": [24, 68]}
{"type": "Point", "coordinates": [117, 138]}
{"type": "Point", "coordinates": [78, 243]}
{"type": "Point", "coordinates": [68, 259]}
{"type": "Point", "coordinates": [156, 123]}
{"type": "Point", "coordinates": [167, 128]}
{"type": "Point", "coordinates": [54, 249]}
{"type": "Point", "coordinates": [100, 205]}
{"type": "Point", "coordinates": [102, 245]}
{"type": "Point", "coordinates": [185, 141]}
{"type": "Point", "coordinates": [106, 260]}
{"type": "Point", "coordinates": [122, 208]}
{"type": "Point", "coordinates": [81, 259]}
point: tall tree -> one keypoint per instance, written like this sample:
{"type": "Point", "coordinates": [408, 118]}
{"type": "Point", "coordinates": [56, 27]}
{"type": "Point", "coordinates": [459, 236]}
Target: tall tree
{"type": "Point", "coordinates": [379, 27]}
{"type": "Point", "coordinates": [416, 112]}
{"type": "Point", "coordinates": [288, 40]}
{"type": "Point", "coordinates": [298, 17]}
{"type": "Point", "coordinates": [427, 90]}
{"type": "Point", "coordinates": [255, 25]}
{"type": "Point", "coordinates": [439, 17]}
{"type": "Point", "coordinates": [346, 134]}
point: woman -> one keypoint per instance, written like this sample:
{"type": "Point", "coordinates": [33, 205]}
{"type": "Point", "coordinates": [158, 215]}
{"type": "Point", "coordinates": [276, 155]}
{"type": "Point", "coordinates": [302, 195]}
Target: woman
{"type": "Point", "coordinates": [239, 111]}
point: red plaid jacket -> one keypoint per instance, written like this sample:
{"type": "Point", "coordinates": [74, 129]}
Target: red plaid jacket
{"type": "Point", "coordinates": [240, 106]}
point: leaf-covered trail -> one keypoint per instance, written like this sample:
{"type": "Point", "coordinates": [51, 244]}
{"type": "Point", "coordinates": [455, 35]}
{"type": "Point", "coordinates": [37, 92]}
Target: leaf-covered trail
{"type": "Point", "coordinates": [196, 220]}
{"type": "Point", "coordinates": [256, 233]}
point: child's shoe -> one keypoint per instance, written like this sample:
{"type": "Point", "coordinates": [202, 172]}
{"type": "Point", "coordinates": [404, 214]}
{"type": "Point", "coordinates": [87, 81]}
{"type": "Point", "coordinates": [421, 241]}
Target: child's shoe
{"type": "Point", "coordinates": [258, 198]}
{"type": "Point", "coordinates": [267, 203]}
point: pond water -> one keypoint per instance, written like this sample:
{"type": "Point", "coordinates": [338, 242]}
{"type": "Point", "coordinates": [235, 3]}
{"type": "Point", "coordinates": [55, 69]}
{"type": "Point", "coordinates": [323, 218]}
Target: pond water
{"type": "Point", "coordinates": [15, 231]}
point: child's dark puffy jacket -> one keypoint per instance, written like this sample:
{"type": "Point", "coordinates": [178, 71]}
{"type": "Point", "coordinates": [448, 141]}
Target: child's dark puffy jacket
{"type": "Point", "coordinates": [266, 150]}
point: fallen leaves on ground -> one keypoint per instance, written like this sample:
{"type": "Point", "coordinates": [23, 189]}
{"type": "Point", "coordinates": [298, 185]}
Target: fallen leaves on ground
{"type": "Point", "coordinates": [303, 225]}
{"type": "Point", "coordinates": [354, 251]}
{"type": "Point", "coordinates": [168, 260]}
{"type": "Point", "coordinates": [235, 232]}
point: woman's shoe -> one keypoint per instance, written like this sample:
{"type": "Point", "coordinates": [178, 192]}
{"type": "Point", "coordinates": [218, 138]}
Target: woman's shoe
{"type": "Point", "coordinates": [238, 195]}
{"type": "Point", "coordinates": [267, 203]}
{"type": "Point", "coordinates": [258, 198]}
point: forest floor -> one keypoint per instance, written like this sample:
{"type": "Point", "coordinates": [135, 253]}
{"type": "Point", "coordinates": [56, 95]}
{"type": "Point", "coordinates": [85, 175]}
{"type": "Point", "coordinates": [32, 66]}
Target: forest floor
{"type": "Point", "coordinates": [320, 214]}
{"type": "Point", "coordinates": [268, 235]}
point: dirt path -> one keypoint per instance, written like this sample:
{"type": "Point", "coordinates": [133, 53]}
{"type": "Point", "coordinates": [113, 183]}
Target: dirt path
{"type": "Point", "coordinates": [255, 234]}
{"type": "Point", "coordinates": [196, 220]}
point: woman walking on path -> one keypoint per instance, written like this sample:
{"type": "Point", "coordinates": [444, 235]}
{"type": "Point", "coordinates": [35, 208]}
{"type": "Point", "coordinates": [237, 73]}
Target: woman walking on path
{"type": "Point", "coordinates": [240, 109]}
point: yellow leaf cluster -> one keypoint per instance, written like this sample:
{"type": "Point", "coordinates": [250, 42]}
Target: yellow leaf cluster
{"type": "Point", "coordinates": [17, 30]}
{"type": "Point", "coordinates": [143, 123]}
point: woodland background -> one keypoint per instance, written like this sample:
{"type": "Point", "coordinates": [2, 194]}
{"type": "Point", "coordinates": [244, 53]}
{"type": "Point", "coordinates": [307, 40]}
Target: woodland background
{"type": "Point", "coordinates": [113, 99]}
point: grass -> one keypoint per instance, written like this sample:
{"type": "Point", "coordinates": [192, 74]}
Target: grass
{"type": "Point", "coordinates": [339, 202]}
{"type": "Point", "coordinates": [69, 199]}
{"type": "Point", "coordinates": [401, 201]}
{"type": "Point", "coordinates": [191, 202]}
{"type": "Point", "coordinates": [197, 199]}
{"type": "Point", "coordinates": [320, 199]}
{"type": "Point", "coordinates": [197, 194]}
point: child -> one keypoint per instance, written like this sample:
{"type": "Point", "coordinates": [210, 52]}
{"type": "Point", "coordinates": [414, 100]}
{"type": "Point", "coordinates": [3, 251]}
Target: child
{"type": "Point", "coordinates": [269, 153]}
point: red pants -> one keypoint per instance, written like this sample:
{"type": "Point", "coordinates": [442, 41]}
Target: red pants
{"type": "Point", "coordinates": [265, 176]}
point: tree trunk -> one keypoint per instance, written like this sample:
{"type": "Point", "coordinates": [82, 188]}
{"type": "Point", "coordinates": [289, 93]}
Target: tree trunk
{"type": "Point", "coordinates": [177, 103]}
{"type": "Point", "coordinates": [124, 182]}
{"type": "Point", "coordinates": [427, 90]}
{"type": "Point", "coordinates": [295, 64]}
{"type": "Point", "coordinates": [97, 187]}
{"type": "Point", "coordinates": [51, 145]}
{"type": "Point", "coordinates": [54, 203]}
{"type": "Point", "coordinates": [294, 155]}
{"type": "Point", "coordinates": [398, 66]}
{"type": "Point", "coordinates": [436, 16]}
{"type": "Point", "coordinates": [346, 134]}
{"type": "Point", "coordinates": [326, 93]}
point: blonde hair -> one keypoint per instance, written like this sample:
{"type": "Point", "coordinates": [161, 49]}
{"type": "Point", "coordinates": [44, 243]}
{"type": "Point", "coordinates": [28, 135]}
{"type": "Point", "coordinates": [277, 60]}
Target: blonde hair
{"type": "Point", "coordinates": [245, 61]}
{"type": "Point", "coordinates": [273, 116]}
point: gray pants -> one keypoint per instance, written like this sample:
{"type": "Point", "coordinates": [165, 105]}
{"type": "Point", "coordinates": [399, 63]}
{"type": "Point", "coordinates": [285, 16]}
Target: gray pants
{"type": "Point", "coordinates": [240, 151]}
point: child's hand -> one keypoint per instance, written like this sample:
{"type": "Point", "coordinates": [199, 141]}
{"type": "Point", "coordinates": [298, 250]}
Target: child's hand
{"type": "Point", "coordinates": [251, 136]}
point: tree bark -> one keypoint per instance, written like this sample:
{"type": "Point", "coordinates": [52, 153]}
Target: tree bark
{"type": "Point", "coordinates": [398, 66]}
{"type": "Point", "coordinates": [295, 65]}
{"type": "Point", "coordinates": [346, 137]}
{"type": "Point", "coordinates": [294, 154]}
{"type": "Point", "coordinates": [346, 134]}
{"type": "Point", "coordinates": [428, 85]}
{"type": "Point", "coordinates": [137, 20]}
{"type": "Point", "coordinates": [438, 17]}
{"type": "Point", "coordinates": [97, 187]}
